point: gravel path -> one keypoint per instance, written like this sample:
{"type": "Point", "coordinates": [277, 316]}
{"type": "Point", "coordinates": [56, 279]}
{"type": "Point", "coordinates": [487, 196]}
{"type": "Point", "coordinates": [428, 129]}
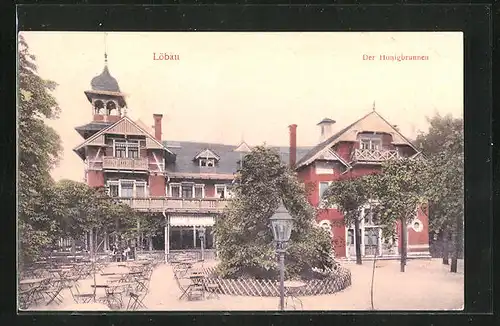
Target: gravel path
{"type": "Point", "coordinates": [426, 285]}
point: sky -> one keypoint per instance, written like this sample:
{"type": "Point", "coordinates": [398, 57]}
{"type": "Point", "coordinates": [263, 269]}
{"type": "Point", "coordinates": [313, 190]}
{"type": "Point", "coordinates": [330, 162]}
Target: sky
{"type": "Point", "coordinates": [228, 87]}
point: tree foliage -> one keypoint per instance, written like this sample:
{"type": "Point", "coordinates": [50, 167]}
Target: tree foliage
{"type": "Point", "coordinates": [39, 150]}
{"type": "Point", "coordinates": [399, 190]}
{"type": "Point", "coordinates": [443, 146]}
{"type": "Point", "coordinates": [243, 233]}
{"type": "Point", "coordinates": [350, 195]}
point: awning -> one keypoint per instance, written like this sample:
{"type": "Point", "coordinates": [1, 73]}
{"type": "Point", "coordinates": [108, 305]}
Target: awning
{"type": "Point", "coordinates": [182, 220]}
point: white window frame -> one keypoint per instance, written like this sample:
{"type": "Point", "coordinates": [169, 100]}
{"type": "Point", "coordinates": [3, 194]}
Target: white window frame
{"type": "Point", "coordinates": [128, 143]}
{"type": "Point", "coordinates": [221, 186]}
{"type": "Point", "coordinates": [174, 184]}
{"type": "Point", "coordinates": [187, 184]}
{"type": "Point", "coordinates": [371, 142]}
{"type": "Point", "coordinates": [142, 183]}
{"type": "Point", "coordinates": [119, 183]}
{"type": "Point", "coordinates": [321, 203]}
{"type": "Point", "coordinates": [113, 183]}
{"type": "Point", "coordinates": [207, 161]}
{"type": "Point", "coordinates": [202, 186]}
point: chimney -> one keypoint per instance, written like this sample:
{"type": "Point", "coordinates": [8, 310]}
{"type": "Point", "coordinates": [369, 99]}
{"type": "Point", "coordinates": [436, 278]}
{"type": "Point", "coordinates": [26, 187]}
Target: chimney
{"type": "Point", "coordinates": [326, 128]}
{"type": "Point", "coordinates": [293, 145]}
{"type": "Point", "coordinates": [157, 126]}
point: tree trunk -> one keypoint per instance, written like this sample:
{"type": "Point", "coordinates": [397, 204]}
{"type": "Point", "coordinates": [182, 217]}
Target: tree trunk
{"type": "Point", "coordinates": [357, 234]}
{"type": "Point", "coordinates": [91, 242]}
{"type": "Point", "coordinates": [150, 241]}
{"type": "Point", "coordinates": [106, 245]}
{"type": "Point", "coordinates": [445, 248]}
{"type": "Point", "coordinates": [404, 244]}
{"type": "Point", "coordinates": [138, 235]}
{"type": "Point", "coordinates": [456, 246]}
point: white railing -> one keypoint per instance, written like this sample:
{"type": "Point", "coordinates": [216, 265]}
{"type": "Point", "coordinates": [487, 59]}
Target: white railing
{"type": "Point", "coordinates": [175, 204]}
{"type": "Point", "coordinates": [125, 163]}
{"type": "Point", "coordinates": [374, 155]}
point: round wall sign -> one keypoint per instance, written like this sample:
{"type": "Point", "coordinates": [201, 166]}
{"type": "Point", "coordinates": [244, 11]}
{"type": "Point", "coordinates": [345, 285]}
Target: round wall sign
{"type": "Point", "coordinates": [417, 225]}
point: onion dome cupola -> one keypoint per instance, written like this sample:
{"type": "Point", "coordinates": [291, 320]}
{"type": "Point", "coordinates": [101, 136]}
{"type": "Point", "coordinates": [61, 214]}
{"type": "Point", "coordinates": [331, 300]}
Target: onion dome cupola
{"type": "Point", "coordinates": [107, 100]}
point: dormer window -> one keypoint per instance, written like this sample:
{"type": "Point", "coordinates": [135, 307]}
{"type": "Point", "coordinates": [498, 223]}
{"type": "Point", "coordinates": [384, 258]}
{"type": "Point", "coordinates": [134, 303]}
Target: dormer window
{"type": "Point", "coordinates": [206, 158]}
{"type": "Point", "coordinates": [209, 163]}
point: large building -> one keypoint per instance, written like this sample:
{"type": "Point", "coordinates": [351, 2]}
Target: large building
{"type": "Point", "coordinates": [190, 182]}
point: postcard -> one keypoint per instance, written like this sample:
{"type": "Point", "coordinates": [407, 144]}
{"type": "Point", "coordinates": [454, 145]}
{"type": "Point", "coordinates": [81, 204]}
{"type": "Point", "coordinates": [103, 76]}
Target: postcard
{"type": "Point", "coordinates": [225, 171]}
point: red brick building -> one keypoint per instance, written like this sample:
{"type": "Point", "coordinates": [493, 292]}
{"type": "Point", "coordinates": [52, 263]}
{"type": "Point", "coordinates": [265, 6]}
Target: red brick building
{"type": "Point", "coordinates": [356, 150]}
{"type": "Point", "coordinates": [190, 182]}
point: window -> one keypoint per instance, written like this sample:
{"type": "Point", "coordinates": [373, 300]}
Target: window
{"type": "Point", "coordinates": [350, 237]}
{"type": "Point", "coordinates": [127, 189]}
{"type": "Point", "coordinates": [371, 144]}
{"type": "Point", "coordinates": [120, 151]}
{"type": "Point", "coordinates": [140, 190]}
{"type": "Point", "coordinates": [322, 188]}
{"type": "Point", "coordinates": [198, 191]}
{"type": "Point", "coordinates": [126, 148]}
{"type": "Point", "coordinates": [371, 237]}
{"type": "Point", "coordinates": [220, 191]}
{"type": "Point", "coordinates": [175, 190]}
{"type": "Point", "coordinates": [368, 218]}
{"type": "Point", "coordinates": [113, 189]}
{"type": "Point", "coordinates": [209, 163]}
{"type": "Point", "coordinates": [133, 152]}
{"type": "Point", "coordinates": [187, 191]}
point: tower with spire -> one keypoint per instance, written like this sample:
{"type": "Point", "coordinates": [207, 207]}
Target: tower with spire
{"type": "Point", "coordinates": [108, 102]}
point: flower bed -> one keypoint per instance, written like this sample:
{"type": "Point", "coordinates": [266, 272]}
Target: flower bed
{"type": "Point", "coordinates": [336, 281]}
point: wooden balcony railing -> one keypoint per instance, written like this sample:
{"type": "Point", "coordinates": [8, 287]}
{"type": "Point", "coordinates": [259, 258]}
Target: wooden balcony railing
{"type": "Point", "coordinates": [373, 155]}
{"type": "Point", "coordinates": [169, 204]}
{"type": "Point", "coordinates": [125, 163]}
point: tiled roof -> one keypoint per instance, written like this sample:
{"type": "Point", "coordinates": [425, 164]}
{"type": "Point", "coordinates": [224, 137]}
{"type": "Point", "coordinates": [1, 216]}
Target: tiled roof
{"type": "Point", "coordinates": [186, 151]}
{"type": "Point", "coordinates": [105, 82]}
{"type": "Point", "coordinates": [92, 127]}
{"type": "Point", "coordinates": [372, 120]}
{"type": "Point", "coordinates": [316, 149]}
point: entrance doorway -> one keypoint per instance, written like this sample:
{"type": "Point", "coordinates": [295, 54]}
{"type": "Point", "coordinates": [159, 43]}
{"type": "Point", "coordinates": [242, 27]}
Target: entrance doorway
{"type": "Point", "coordinates": [187, 237]}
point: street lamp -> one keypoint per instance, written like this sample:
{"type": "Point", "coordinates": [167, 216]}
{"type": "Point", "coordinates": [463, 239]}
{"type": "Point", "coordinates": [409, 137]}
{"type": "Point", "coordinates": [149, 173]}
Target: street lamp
{"type": "Point", "coordinates": [281, 225]}
{"type": "Point", "coordinates": [201, 235]}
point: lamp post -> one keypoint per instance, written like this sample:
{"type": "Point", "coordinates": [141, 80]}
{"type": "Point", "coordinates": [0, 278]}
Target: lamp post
{"type": "Point", "coordinates": [201, 235]}
{"type": "Point", "coordinates": [281, 225]}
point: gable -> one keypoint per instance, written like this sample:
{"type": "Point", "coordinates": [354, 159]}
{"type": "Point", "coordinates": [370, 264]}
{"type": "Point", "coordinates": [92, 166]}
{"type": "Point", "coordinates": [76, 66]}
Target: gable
{"type": "Point", "coordinates": [127, 127]}
{"type": "Point", "coordinates": [328, 155]}
{"type": "Point", "coordinates": [207, 153]}
{"type": "Point", "coordinates": [243, 147]}
{"type": "Point", "coordinates": [372, 122]}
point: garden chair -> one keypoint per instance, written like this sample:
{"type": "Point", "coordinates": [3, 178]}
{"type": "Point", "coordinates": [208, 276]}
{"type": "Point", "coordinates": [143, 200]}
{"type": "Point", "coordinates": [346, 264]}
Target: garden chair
{"type": "Point", "coordinates": [80, 297]}
{"type": "Point", "coordinates": [53, 291]}
{"type": "Point", "coordinates": [137, 295]}
{"type": "Point", "coordinates": [114, 295]}
{"type": "Point", "coordinates": [25, 298]}
{"type": "Point", "coordinates": [212, 289]}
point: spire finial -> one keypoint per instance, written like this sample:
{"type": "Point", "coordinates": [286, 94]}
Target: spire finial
{"type": "Point", "coordinates": [105, 49]}
{"type": "Point", "coordinates": [373, 108]}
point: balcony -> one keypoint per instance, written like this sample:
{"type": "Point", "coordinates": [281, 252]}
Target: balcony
{"type": "Point", "coordinates": [176, 205]}
{"type": "Point", "coordinates": [373, 155]}
{"type": "Point", "coordinates": [124, 163]}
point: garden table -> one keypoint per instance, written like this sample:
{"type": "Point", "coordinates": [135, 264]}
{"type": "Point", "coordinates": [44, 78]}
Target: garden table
{"type": "Point", "coordinates": [291, 291]}
{"type": "Point", "coordinates": [32, 281]}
